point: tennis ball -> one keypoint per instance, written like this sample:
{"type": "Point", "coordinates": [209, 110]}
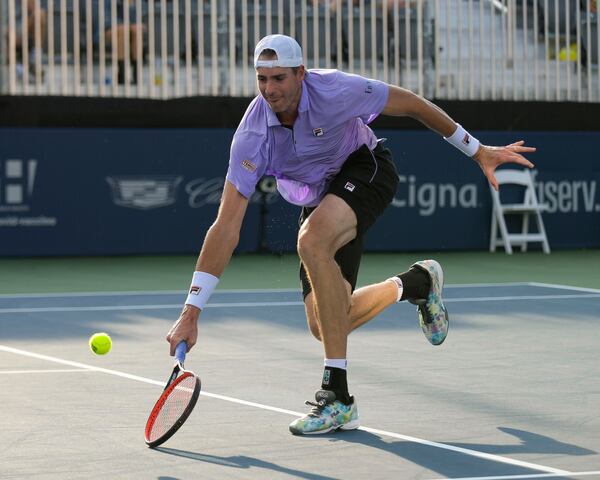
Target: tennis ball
{"type": "Point", "coordinates": [569, 54]}
{"type": "Point", "coordinates": [100, 343]}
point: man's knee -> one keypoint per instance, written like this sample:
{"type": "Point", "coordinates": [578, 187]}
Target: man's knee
{"type": "Point", "coordinates": [306, 241]}
{"type": "Point", "coordinates": [328, 228]}
{"type": "Point", "coordinates": [313, 242]}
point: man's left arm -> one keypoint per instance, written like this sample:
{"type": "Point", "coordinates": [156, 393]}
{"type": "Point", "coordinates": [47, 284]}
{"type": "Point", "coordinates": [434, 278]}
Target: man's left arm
{"type": "Point", "coordinates": [402, 102]}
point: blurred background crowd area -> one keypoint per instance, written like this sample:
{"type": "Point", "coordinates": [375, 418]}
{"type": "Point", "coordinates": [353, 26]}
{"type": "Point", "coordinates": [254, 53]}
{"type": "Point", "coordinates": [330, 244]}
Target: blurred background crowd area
{"type": "Point", "coordinates": [455, 49]}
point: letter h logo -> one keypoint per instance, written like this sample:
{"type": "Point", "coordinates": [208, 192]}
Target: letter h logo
{"type": "Point", "coordinates": [16, 180]}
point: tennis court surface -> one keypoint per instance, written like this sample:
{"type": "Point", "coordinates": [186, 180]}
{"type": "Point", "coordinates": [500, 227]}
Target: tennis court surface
{"type": "Point", "coordinates": [513, 393]}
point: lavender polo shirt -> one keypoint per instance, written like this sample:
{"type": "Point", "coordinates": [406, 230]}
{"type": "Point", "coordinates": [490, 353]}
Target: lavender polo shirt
{"type": "Point", "coordinates": [333, 113]}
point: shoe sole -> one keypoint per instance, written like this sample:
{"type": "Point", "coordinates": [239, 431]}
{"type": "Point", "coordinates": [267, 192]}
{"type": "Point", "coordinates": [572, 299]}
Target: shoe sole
{"type": "Point", "coordinates": [353, 425]}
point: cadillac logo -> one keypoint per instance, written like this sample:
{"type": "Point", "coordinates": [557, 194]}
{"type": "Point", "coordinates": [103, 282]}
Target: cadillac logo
{"type": "Point", "coordinates": [144, 192]}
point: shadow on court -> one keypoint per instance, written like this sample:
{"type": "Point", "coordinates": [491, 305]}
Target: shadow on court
{"type": "Point", "coordinates": [79, 324]}
{"type": "Point", "coordinates": [455, 464]}
{"type": "Point", "coordinates": [444, 462]}
{"type": "Point", "coordinates": [241, 461]}
{"type": "Point", "coordinates": [529, 443]}
{"type": "Point", "coordinates": [49, 317]}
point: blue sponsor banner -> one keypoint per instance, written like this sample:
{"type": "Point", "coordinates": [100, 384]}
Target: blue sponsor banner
{"type": "Point", "coordinates": [140, 191]}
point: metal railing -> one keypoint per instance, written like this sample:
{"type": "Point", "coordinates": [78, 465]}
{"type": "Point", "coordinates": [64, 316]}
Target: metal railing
{"type": "Point", "coordinates": [532, 50]}
{"type": "Point", "coordinates": [457, 49]}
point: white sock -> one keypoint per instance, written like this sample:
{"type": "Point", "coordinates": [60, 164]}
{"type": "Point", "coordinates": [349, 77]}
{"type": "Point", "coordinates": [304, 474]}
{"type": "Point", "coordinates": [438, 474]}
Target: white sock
{"type": "Point", "coordinates": [336, 363]}
{"type": "Point", "coordinates": [398, 283]}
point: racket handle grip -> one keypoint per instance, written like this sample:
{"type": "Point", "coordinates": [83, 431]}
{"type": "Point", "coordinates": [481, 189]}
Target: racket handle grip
{"type": "Point", "coordinates": [180, 351]}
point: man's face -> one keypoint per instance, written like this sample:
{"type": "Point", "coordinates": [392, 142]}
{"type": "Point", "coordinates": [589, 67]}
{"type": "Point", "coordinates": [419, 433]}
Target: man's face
{"type": "Point", "coordinates": [280, 87]}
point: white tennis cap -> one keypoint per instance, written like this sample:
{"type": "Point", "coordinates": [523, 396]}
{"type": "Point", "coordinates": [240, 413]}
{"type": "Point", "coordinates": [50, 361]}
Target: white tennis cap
{"type": "Point", "coordinates": [289, 53]}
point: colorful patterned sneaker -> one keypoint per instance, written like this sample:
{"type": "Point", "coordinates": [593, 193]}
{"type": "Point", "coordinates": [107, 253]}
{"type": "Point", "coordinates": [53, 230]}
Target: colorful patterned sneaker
{"type": "Point", "coordinates": [433, 316]}
{"type": "Point", "coordinates": [326, 415]}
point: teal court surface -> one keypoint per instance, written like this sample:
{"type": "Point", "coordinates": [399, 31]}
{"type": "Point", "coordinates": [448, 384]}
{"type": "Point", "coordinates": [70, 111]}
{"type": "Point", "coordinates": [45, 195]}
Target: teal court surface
{"type": "Point", "coordinates": [513, 393]}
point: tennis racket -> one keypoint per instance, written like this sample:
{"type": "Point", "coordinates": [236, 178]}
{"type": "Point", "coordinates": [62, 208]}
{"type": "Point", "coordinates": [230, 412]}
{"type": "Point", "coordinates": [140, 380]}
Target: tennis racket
{"type": "Point", "coordinates": [175, 403]}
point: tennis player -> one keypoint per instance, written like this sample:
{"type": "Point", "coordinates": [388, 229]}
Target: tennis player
{"type": "Point", "coordinates": [309, 129]}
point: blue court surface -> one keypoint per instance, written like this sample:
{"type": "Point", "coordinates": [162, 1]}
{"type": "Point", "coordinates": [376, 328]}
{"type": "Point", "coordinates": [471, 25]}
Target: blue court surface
{"type": "Point", "coordinates": [513, 393]}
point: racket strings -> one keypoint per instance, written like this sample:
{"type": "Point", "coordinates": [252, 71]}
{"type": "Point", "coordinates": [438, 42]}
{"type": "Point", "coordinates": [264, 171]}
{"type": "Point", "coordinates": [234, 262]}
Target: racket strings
{"type": "Point", "coordinates": [173, 407]}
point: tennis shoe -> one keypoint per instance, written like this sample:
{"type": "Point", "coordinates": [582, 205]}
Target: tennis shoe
{"type": "Point", "coordinates": [433, 316]}
{"type": "Point", "coordinates": [327, 414]}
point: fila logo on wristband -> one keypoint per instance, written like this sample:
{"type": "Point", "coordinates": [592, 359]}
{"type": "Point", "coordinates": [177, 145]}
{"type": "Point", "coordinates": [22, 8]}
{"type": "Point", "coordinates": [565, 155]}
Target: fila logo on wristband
{"type": "Point", "coordinates": [464, 141]}
{"type": "Point", "coordinates": [201, 288]}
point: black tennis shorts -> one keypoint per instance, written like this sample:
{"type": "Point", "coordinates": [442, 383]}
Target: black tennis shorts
{"type": "Point", "coordinates": [367, 182]}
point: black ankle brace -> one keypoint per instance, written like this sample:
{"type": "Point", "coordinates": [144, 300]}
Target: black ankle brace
{"type": "Point", "coordinates": [416, 283]}
{"type": "Point", "coordinates": [335, 380]}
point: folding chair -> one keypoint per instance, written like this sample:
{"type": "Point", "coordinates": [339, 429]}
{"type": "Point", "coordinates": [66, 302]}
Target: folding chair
{"type": "Point", "coordinates": [499, 232]}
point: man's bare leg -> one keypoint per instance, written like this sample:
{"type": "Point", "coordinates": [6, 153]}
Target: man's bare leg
{"type": "Point", "coordinates": [330, 226]}
{"type": "Point", "coordinates": [421, 284]}
{"type": "Point", "coordinates": [365, 303]}
{"type": "Point", "coordinates": [327, 229]}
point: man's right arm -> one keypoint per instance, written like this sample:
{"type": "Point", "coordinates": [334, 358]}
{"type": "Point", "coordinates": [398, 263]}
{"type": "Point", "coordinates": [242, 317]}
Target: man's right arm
{"type": "Point", "coordinates": [223, 236]}
{"type": "Point", "coordinates": [220, 241]}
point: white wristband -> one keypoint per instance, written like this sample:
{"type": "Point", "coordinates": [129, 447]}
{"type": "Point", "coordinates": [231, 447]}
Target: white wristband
{"type": "Point", "coordinates": [464, 141]}
{"type": "Point", "coordinates": [202, 287]}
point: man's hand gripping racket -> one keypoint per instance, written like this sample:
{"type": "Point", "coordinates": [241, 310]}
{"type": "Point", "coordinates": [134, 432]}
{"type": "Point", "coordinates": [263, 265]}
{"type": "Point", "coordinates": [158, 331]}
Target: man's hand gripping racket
{"type": "Point", "coordinates": [175, 403]}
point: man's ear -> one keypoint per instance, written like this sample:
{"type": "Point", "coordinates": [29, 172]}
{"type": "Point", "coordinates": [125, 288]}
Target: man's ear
{"type": "Point", "coordinates": [301, 72]}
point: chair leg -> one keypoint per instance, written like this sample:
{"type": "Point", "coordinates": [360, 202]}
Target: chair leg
{"type": "Point", "coordinates": [504, 232]}
{"type": "Point", "coordinates": [525, 230]}
{"type": "Point", "coordinates": [493, 231]}
{"type": "Point", "coordinates": [545, 244]}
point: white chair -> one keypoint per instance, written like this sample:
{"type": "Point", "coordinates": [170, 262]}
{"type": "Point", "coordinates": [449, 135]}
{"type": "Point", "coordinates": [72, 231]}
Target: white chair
{"type": "Point", "coordinates": [530, 206]}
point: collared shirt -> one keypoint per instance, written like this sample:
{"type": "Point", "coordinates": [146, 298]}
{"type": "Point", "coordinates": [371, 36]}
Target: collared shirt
{"type": "Point", "coordinates": [333, 113]}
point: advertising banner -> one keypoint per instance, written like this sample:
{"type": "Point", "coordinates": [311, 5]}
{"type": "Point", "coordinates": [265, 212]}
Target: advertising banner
{"type": "Point", "coordinates": [144, 191]}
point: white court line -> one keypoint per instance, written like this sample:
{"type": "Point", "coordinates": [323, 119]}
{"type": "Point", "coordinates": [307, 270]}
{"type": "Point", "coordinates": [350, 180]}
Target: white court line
{"type": "Point", "coordinates": [564, 287]}
{"type": "Point", "coordinates": [272, 290]}
{"type": "Point", "coordinates": [142, 292]}
{"type": "Point", "coordinates": [465, 451]}
{"type": "Point", "coordinates": [486, 285]}
{"type": "Point", "coordinates": [522, 297]}
{"type": "Point", "coordinates": [230, 291]}
{"type": "Point", "coordinates": [65, 370]}
{"type": "Point", "coordinates": [103, 308]}
{"type": "Point", "coordinates": [535, 475]}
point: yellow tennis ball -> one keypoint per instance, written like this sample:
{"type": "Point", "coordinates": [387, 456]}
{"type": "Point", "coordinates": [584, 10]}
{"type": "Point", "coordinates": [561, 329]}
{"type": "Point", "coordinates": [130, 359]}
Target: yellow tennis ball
{"type": "Point", "coordinates": [562, 54]}
{"type": "Point", "coordinates": [100, 343]}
